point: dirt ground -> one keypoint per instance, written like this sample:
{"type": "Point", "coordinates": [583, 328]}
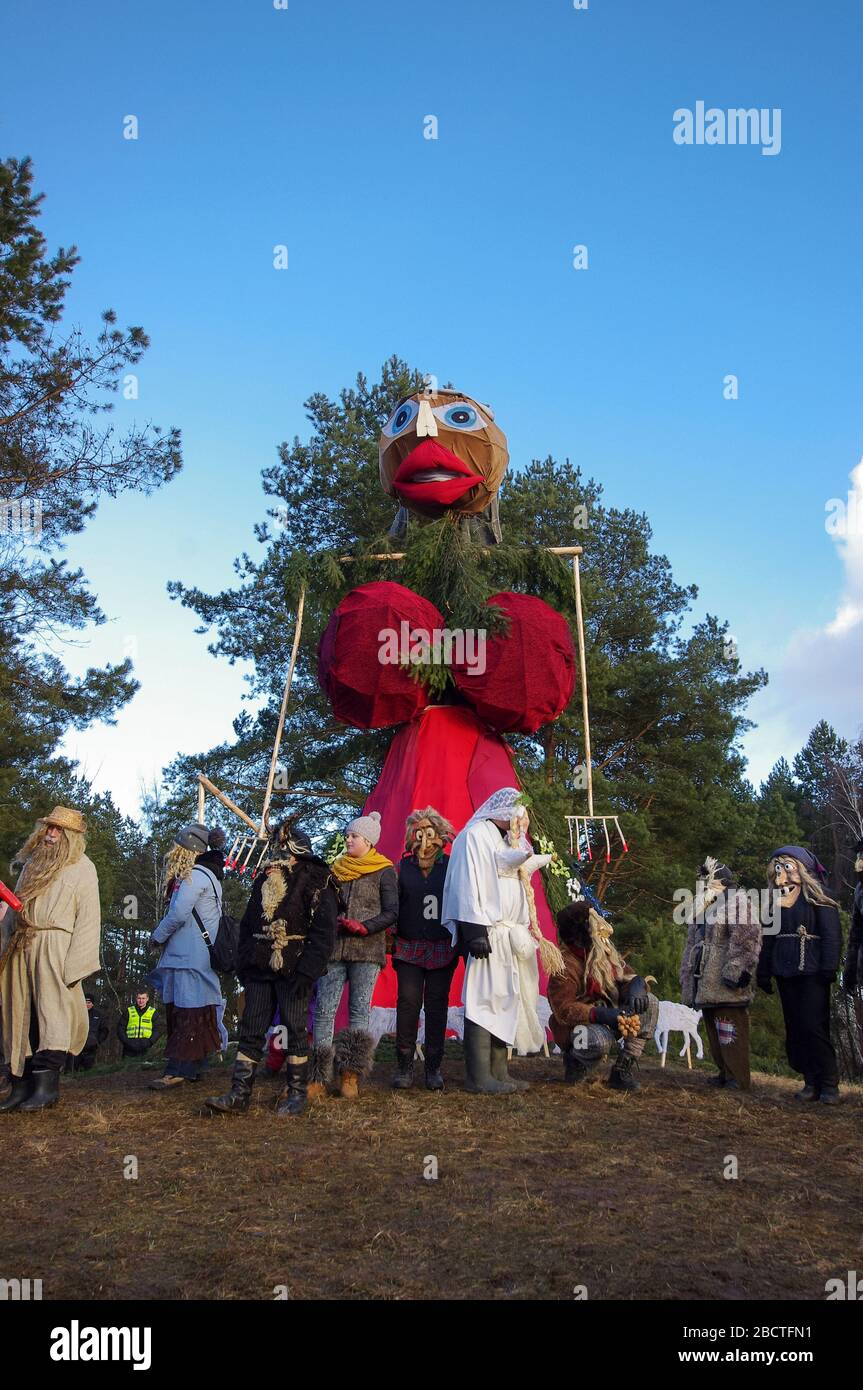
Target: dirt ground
{"type": "Point", "coordinates": [536, 1193]}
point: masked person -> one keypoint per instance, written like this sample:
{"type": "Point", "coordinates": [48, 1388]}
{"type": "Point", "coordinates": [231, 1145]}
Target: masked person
{"type": "Point", "coordinates": [369, 903]}
{"type": "Point", "coordinates": [184, 974]}
{"type": "Point", "coordinates": [804, 959]}
{"type": "Point", "coordinates": [489, 910]}
{"type": "Point", "coordinates": [852, 974]}
{"type": "Point", "coordinates": [596, 990]}
{"type": "Point", "coordinates": [424, 956]}
{"type": "Point", "coordinates": [286, 937]}
{"type": "Point", "coordinates": [45, 953]}
{"type": "Point", "coordinates": [717, 972]}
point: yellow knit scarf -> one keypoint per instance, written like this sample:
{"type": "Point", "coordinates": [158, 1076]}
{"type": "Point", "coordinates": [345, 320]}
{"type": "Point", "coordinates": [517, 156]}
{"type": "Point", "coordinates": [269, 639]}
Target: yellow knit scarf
{"type": "Point", "coordinates": [346, 867]}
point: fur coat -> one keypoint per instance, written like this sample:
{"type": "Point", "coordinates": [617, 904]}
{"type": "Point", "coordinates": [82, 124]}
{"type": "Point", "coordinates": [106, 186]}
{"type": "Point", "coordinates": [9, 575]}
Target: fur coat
{"type": "Point", "coordinates": [571, 998]}
{"type": "Point", "coordinates": [718, 954]}
{"type": "Point", "coordinates": [289, 926]}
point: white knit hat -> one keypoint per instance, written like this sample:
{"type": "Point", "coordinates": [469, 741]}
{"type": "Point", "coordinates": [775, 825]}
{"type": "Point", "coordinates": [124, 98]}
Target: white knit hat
{"type": "Point", "coordinates": [368, 826]}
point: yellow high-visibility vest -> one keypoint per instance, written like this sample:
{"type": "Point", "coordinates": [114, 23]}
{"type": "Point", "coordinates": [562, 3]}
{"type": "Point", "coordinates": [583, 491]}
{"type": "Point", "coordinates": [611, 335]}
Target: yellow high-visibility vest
{"type": "Point", "coordinates": [140, 1025]}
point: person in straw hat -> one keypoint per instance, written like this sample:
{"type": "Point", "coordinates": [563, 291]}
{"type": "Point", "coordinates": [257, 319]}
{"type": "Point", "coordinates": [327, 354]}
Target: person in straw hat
{"type": "Point", "coordinates": [46, 950]}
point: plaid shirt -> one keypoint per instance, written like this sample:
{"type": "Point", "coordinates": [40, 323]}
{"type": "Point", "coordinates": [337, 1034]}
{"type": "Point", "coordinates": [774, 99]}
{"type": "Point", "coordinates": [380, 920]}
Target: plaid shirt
{"type": "Point", "coordinates": [429, 955]}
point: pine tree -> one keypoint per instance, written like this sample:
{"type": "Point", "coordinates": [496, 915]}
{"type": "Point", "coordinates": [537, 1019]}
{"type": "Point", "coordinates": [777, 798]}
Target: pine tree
{"type": "Point", "coordinates": [56, 461]}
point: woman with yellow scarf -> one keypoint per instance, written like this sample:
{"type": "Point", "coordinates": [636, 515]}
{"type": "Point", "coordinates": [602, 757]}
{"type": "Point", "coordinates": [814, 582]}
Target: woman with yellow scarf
{"type": "Point", "coordinates": [369, 903]}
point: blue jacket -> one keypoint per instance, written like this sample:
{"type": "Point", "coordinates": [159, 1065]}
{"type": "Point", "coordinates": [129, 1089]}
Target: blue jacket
{"type": "Point", "coordinates": [185, 948]}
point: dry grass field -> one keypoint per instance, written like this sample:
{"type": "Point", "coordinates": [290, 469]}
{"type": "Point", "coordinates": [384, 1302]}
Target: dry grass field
{"type": "Point", "coordinates": [536, 1193]}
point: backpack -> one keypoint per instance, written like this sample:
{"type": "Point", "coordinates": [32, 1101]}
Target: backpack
{"type": "Point", "coordinates": [223, 951]}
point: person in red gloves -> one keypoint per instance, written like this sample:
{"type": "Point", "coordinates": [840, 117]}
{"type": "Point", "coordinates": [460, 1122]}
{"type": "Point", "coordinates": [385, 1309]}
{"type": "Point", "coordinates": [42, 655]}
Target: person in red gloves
{"type": "Point", "coordinates": [369, 903]}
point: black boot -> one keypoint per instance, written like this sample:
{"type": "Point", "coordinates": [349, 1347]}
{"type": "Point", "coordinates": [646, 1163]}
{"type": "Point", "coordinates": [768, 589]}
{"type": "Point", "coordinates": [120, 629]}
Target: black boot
{"type": "Point", "coordinates": [621, 1078]}
{"type": "Point", "coordinates": [404, 1077]}
{"type": "Point", "coordinates": [575, 1068]}
{"type": "Point", "coordinates": [21, 1087]}
{"type": "Point", "coordinates": [499, 1065]}
{"type": "Point", "coordinates": [434, 1080]}
{"type": "Point", "coordinates": [809, 1092]}
{"type": "Point", "coordinates": [830, 1095]}
{"type": "Point", "coordinates": [45, 1092]}
{"type": "Point", "coordinates": [293, 1097]}
{"type": "Point", "coordinates": [477, 1061]}
{"type": "Point", "coordinates": [717, 1080]}
{"type": "Point", "coordinates": [237, 1099]}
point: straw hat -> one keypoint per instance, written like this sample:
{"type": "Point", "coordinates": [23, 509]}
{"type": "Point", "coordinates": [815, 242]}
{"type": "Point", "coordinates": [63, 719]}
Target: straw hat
{"type": "Point", "coordinates": [66, 819]}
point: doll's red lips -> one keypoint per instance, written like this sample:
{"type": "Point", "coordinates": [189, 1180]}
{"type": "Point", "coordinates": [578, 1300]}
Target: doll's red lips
{"type": "Point", "coordinates": [433, 473]}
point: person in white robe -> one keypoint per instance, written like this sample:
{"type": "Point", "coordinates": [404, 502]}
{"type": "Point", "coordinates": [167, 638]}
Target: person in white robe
{"type": "Point", "coordinates": [485, 908]}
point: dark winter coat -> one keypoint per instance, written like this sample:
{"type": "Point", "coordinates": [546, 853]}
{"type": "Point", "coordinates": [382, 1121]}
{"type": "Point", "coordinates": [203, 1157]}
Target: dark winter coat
{"type": "Point", "coordinates": [720, 958]}
{"type": "Point", "coordinates": [97, 1032]}
{"type": "Point", "coordinates": [853, 974]}
{"type": "Point", "coordinates": [420, 900]}
{"type": "Point", "coordinates": [781, 955]}
{"type": "Point", "coordinates": [372, 899]}
{"type": "Point", "coordinates": [302, 897]}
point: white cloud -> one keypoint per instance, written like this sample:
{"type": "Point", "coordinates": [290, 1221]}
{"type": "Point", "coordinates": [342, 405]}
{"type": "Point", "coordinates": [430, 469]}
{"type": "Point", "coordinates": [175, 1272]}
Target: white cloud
{"type": "Point", "coordinates": [819, 676]}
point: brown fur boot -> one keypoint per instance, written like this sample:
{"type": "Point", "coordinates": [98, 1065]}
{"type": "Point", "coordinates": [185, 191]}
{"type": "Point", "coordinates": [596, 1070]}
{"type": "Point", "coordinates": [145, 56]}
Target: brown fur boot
{"type": "Point", "coordinates": [354, 1055]}
{"type": "Point", "coordinates": [320, 1072]}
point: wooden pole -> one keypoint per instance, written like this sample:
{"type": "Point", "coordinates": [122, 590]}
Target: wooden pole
{"type": "Point", "coordinates": [202, 800]}
{"type": "Point", "coordinates": [576, 575]}
{"type": "Point", "coordinates": [226, 801]}
{"type": "Point", "coordinates": [400, 554]}
{"type": "Point", "coordinates": [268, 794]}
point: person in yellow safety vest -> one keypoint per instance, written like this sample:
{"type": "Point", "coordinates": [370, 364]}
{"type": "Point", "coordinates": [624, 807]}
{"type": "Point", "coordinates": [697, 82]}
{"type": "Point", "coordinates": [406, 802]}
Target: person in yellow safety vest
{"type": "Point", "coordinates": [137, 1028]}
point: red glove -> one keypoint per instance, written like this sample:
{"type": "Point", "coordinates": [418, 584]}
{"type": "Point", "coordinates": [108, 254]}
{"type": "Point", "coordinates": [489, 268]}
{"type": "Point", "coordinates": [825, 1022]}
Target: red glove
{"type": "Point", "coordinates": [352, 925]}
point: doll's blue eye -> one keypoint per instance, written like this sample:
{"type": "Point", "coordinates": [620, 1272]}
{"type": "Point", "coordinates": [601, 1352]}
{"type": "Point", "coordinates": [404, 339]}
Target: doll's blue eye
{"type": "Point", "coordinates": [461, 417]}
{"type": "Point", "coordinates": [401, 418]}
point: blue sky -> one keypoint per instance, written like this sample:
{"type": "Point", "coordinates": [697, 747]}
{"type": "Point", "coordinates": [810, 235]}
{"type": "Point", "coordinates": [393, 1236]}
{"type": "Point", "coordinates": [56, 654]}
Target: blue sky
{"type": "Point", "coordinates": [260, 126]}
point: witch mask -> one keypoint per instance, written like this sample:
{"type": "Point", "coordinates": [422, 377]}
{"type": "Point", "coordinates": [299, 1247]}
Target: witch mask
{"type": "Point", "coordinates": [784, 874]}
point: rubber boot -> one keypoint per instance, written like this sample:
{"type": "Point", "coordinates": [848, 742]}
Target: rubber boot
{"type": "Point", "coordinates": [830, 1095]}
{"type": "Point", "coordinates": [717, 1080]}
{"type": "Point", "coordinates": [293, 1099]}
{"type": "Point", "coordinates": [45, 1092]}
{"type": "Point", "coordinates": [477, 1061]}
{"type": "Point", "coordinates": [404, 1077]}
{"type": "Point", "coordinates": [21, 1087]}
{"type": "Point", "coordinates": [237, 1099]}
{"type": "Point", "coordinates": [621, 1078]}
{"type": "Point", "coordinates": [499, 1065]}
{"type": "Point", "coordinates": [809, 1092]}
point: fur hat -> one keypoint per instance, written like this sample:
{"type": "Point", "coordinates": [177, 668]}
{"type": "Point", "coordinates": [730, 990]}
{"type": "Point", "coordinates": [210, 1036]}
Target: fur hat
{"type": "Point", "coordinates": [65, 819]}
{"type": "Point", "coordinates": [194, 837]}
{"type": "Point", "coordinates": [368, 826]}
{"type": "Point", "coordinates": [216, 838]}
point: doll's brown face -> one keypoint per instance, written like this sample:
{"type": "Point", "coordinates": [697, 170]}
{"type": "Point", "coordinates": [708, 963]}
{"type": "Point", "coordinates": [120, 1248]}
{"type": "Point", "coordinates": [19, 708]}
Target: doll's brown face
{"type": "Point", "coordinates": [858, 863]}
{"type": "Point", "coordinates": [427, 842]}
{"type": "Point", "coordinates": [786, 879]}
{"type": "Point", "coordinates": [441, 451]}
